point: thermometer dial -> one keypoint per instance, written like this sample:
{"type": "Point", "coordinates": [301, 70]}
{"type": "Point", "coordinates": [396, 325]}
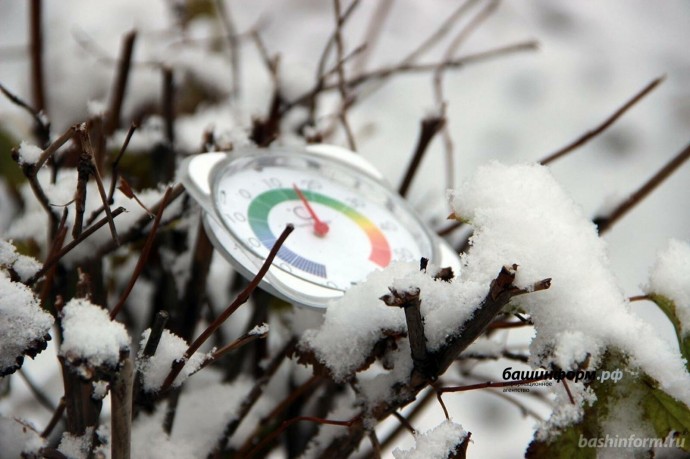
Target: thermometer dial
{"type": "Point", "coordinates": [347, 222]}
{"type": "Point", "coordinates": [367, 227]}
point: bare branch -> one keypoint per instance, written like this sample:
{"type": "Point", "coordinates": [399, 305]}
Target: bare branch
{"type": "Point", "coordinates": [223, 13]}
{"type": "Point", "coordinates": [606, 222]}
{"type": "Point", "coordinates": [50, 262]}
{"type": "Point", "coordinates": [242, 298]}
{"type": "Point", "coordinates": [430, 126]}
{"type": "Point", "coordinates": [586, 137]}
{"type": "Point", "coordinates": [143, 256]}
{"type": "Point", "coordinates": [340, 54]}
{"type": "Point", "coordinates": [120, 84]}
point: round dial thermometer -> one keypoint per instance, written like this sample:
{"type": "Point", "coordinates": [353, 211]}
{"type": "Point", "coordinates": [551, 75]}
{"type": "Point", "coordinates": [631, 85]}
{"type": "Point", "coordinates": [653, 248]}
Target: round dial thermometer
{"type": "Point", "coordinates": [347, 221]}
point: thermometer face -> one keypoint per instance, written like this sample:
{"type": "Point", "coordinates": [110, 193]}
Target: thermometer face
{"type": "Point", "coordinates": [346, 224]}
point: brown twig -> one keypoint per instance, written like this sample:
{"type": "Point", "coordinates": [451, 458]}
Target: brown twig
{"type": "Point", "coordinates": [409, 301]}
{"type": "Point", "coordinates": [120, 84]}
{"type": "Point", "coordinates": [274, 416]}
{"type": "Point", "coordinates": [55, 418]}
{"type": "Point", "coordinates": [251, 398]}
{"type": "Point", "coordinates": [40, 121]}
{"type": "Point", "coordinates": [606, 222]}
{"type": "Point", "coordinates": [238, 343]}
{"type": "Point", "coordinates": [114, 174]}
{"type": "Point", "coordinates": [450, 228]}
{"type": "Point", "coordinates": [143, 256]}
{"type": "Point", "coordinates": [500, 293]}
{"type": "Point", "coordinates": [373, 32]}
{"type": "Point", "coordinates": [430, 126]}
{"type": "Point", "coordinates": [459, 39]}
{"type": "Point", "coordinates": [136, 230]}
{"type": "Point", "coordinates": [36, 45]}
{"type": "Point", "coordinates": [241, 298]}
{"type": "Point", "coordinates": [121, 410]}
{"type": "Point", "coordinates": [586, 137]}
{"type": "Point", "coordinates": [440, 32]}
{"type": "Point", "coordinates": [51, 260]}
{"type": "Point", "coordinates": [225, 18]}
{"type": "Point", "coordinates": [272, 436]}
{"type": "Point", "coordinates": [88, 167]}
{"type": "Point", "coordinates": [342, 88]}
{"type": "Point", "coordinates": [382, 74]}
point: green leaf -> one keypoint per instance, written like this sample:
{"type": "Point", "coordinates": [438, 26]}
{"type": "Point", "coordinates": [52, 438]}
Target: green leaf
{"type": "Point", "coordinates": [668, 307]}
{"type": "Point", "coordinates": [666, 414]}
{"type": "Point", "coordinates": [565, 446]}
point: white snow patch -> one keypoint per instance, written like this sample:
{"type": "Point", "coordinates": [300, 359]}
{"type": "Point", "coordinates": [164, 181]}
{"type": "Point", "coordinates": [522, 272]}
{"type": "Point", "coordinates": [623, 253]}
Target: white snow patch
{"type": "Point", "coordinates": [29, 153]}
{"type": "Point", "coordinates": [23, 265]}
{"type": "Point", "coordinates": [521, 215]}
{"type": "Point", "coordinates": [22, 321]}
{"type": "Point", "coordinates": [18, 437]}
{"type": "Point", "coordinates": [155, 369]}
{"type": "Point", "coordinates": [437, 443]}
{"type": "Point", "coordinates": [89, 334]}
{"type": "Point", "coordinates": [76, 446]}
{"type": "Point", "coordinates": [670, 277]}
{"type": "Point", "coordinates": [261, 329]}
{"type": "Point", "coordinates": [204, 409]}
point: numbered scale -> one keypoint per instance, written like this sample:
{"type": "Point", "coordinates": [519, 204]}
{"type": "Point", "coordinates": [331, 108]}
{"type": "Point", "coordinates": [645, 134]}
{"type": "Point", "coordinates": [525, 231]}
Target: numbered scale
{"type": "Point", "coordinates": [347, 221]}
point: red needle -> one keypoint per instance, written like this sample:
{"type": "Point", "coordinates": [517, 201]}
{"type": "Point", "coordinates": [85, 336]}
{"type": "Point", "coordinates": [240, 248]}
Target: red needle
{"type": "Point", "coordinates": [320, 227]}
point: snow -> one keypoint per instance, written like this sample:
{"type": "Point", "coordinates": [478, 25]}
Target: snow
{"type": "Point", "coordinates": [23, 265]}
{"type": "Point", "coordinates": [203, 412]}
{"type": "Point", "coordinates": [260, 329]}
{"type": "Point", "coordinates": [76, 446]}
{"type": "Point", "coordinates": [437, 443]}
{"type": "Point", "coordinates": [670, 277]}
{"type": "Point", "coordinates": [89, 336]}
{"type": "Point", "coordinates": [155, 369]}
{"type": "Point", "coordinates": [22, 321]}
{"type": "Point", "coordinates": [521, 215]}
{"type": "Point", "coordinates": [18, 438]}
{"type": "Point", "coordinates": [29, 153]}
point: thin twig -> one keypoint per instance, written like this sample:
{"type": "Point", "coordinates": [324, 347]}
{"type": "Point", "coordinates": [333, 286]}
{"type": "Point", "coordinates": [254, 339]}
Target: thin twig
{"type": "Point", "coordinates": [143, 256]}
{"type": "Point", "coordinates": [439, 73]}
{"type": "Point", "coordinates": [120, 83]}
{"type": "Point", "coordinates": [223, 13]}
{"type": "Point", "coordinates": [36, 44]}
{"type": "Point", "coordinates": [241, 298]}
{"type": "Point", "coordinates": [381, 74]}
{"type": "Point", "coordinates": [272, 436]}
{"type": "Point", "coordinates": [114, 174]}
{"type": "Point", "coordinates": [586, 137]}
{"type": "Point", "coordinates": [121, 410]}
{"type": "Point", "coordinates": [440, 32]}
{"type": "Point", "coordinates": [36, 391]}
{"type": "Point", "coordinates": [342, 88]}
{"type": "Point", "coordinates": [55, 418]}
{"type": "Point", "coordinates": [136, 230]}
{"type": "Point", "coordinates": [41, 123]}
{"type": "Point", "coordinates": [373, 32]}
{"type": "Point", "coordinates": [238, 343]}
{"type": "Point", "coordinates": [430, 126]}
{"type": "Point", "coordinates": [66, 249]}
{"type": "Point", "coordinates": [605, 223]}
{"type": "Point", "coordinates": [90, 168]}
{"type": "Point", "coordinates": [251, 398]}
